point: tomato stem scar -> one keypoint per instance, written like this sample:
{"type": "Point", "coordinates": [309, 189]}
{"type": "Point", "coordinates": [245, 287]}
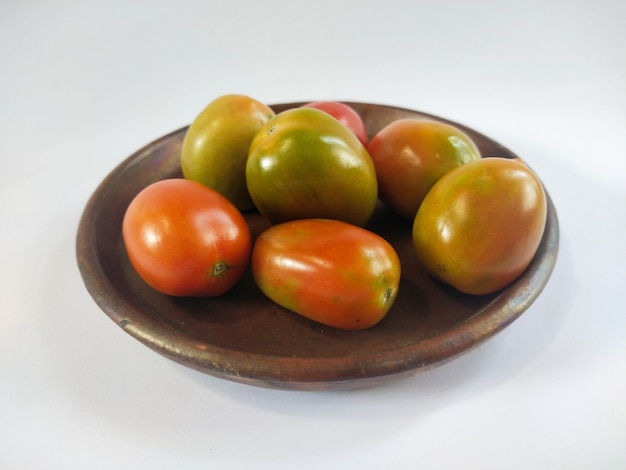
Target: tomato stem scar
{"type": "Point", "coordinates": [219, 268]}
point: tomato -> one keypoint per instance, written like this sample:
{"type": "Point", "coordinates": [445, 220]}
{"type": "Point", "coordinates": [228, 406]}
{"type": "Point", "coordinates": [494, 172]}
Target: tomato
{"type": "Point", "coordinates": [481, 224]}
{"type": "Point", "coordinates": [410, 155]}
{"type": "Point", "coordinates": [345, 114]}
{"type": "Point", "coordinates": [185, 239]}
{"type": "Point", "coordinates": [215, 147]}
{"type": "Point", "coordinates": [304, 163]}
{"type": "Point", "coordinates": [329, 271]}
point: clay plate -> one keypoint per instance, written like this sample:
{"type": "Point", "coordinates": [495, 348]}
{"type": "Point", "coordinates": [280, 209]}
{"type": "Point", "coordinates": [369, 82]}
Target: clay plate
{"type": "Point", "coordinates": [244, 337]}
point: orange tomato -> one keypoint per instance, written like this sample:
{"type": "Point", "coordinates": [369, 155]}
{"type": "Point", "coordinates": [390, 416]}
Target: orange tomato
{"type": "Point", "coordinates": [185, 239]}
{"type": "Point", "coordinates": [410, 155]}
{"type": "Point", "coordinates": [481, 224]}
{"type": "Point", "coordinates": [329, 271]}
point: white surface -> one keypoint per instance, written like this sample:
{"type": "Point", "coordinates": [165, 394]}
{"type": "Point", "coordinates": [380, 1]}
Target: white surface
{"type": "Point", "coordinates": [85, 84]}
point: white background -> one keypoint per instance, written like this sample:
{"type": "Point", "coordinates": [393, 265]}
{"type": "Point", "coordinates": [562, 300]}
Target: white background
{"type": "Point", "coordinates": [83, 84]}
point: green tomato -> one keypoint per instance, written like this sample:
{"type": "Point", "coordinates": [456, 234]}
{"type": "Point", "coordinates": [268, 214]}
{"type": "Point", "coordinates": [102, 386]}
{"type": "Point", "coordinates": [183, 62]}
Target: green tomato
{"type": "Point", "coordinates": [304, 163]}
{"type": "Point", "coordinates": [216, 145]}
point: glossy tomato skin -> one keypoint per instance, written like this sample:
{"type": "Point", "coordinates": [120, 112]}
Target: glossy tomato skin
{"type": "Point", "coordinates": [346, 115]}
{"type": "Point", "coordinates": [215, 147]}
{"type": "Point", "coordinates": [410, 155]}
{"type": "Point", "coordinates": [329, 271]}
{"type": "Point", "coordinates": [481, 224]}
{"type": "Point", "coordinates": [303, 164]}
{"type": "Point", "coordinates": [185, 239]}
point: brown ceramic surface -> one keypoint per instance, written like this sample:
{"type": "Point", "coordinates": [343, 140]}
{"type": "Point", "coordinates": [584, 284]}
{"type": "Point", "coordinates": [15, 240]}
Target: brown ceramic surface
{"type": "Point", "coordinates": [243, 336]}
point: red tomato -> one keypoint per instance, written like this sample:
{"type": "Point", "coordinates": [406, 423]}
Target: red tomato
{"type": "Point", "coordinates": [327, 270]}
{"type": "Point", "coordinates": [185, 239]}
{"type": "Point", "coordinates": [345, 115]}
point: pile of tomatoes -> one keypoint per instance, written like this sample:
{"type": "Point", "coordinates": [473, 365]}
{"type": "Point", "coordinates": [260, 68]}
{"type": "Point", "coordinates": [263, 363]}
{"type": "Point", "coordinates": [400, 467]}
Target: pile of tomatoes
{"type": "Point", "coordinates": [313, 173]}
